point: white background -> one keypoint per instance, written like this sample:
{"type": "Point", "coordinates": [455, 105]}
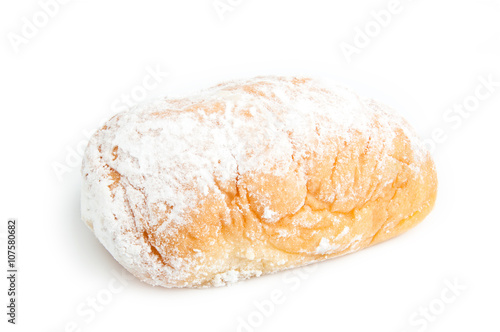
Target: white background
{"type": "Point", "coordinates": [59, 83]}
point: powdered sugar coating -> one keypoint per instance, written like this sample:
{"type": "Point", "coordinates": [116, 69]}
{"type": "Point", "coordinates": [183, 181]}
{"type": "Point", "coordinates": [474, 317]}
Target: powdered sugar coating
{"type": "Point", "coordinates": [168, 157]}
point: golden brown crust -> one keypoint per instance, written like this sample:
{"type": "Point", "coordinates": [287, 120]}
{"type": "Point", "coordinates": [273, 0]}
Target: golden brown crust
{"type": "Point", "coordinates": [349, 191]}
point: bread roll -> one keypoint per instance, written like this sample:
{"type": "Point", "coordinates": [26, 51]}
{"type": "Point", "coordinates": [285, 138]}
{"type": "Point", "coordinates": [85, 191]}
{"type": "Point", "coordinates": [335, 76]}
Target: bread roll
{"type": "Point", "coordinates": [252, 177]}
